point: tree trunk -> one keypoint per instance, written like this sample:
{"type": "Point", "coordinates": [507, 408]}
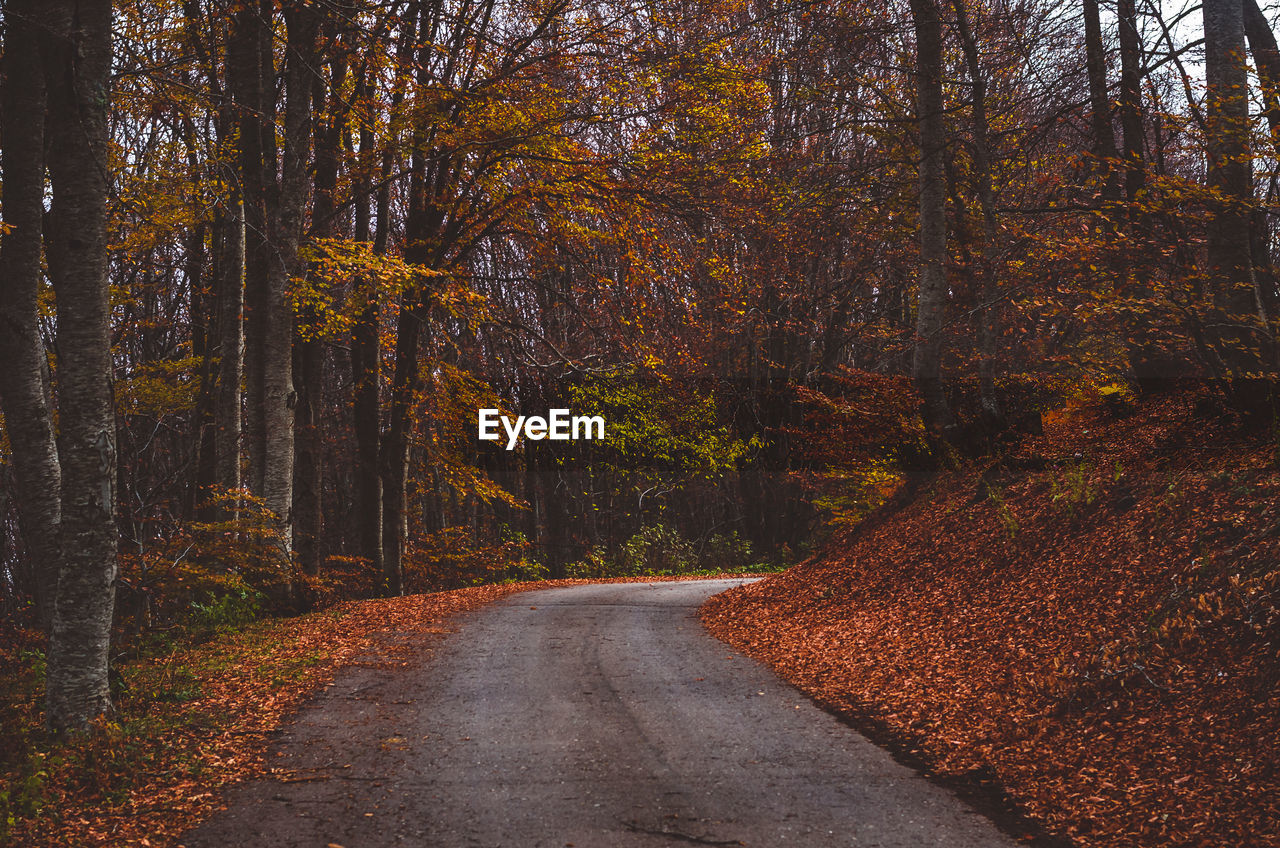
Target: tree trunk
{"type": "Point", "coordinates": [1148, 362]}
{"type": "Point", "coordinates": [227, 402]}
{"type": "Point", "coordinates": [24, 393]}
{"type": "Point", "coordinates": [204, 346]}
{"type": "Point", "coordinates": [406, 376]}
{"type": "Point", "coordinates": [927, 365]}
{"type": "Point", "coordinates": [276, 398]}
{"type": "Point", "coordinates": [309, 350]}
{"type": "Point", "coordinates": [248, 80]}
{"type": "Point", "coordinates": [989, 315]}
{"type": "Point", "coordinates": [1266, 57]}
{"type": "Point", "coordinates": [1135, 176]}
{"type": "Point", "coordinates": [365, 366]}
{"type": "Point", "coordinates": [77, 58]}
{"type": "Point", "coordinates": [1104, 139]}
{"type": "Point", "coordinates": [1239, 338]}
{"type": "Point", "coordinates": [406, 381]}
{"type": "Point", "coordinates": [206, 300]}
{"type": "Point", "coordinates": [395, 447]}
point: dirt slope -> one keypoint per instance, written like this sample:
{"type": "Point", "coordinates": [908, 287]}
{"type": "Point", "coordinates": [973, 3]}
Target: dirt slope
{"type": "Point", "coordinates": [1091, 622]}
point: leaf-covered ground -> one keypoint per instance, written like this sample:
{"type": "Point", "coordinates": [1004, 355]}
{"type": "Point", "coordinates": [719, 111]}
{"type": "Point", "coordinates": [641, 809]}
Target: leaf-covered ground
{"type": "Point", "coordinates": [192, 719]}
{"type": "Point", "coordinates": [1091, 620]}
{"type": "Point", "coordinates": [198, 718]}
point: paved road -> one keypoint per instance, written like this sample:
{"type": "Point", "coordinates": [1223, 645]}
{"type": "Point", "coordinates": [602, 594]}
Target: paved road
{"type": "Point", "coordinates": [595, 717]}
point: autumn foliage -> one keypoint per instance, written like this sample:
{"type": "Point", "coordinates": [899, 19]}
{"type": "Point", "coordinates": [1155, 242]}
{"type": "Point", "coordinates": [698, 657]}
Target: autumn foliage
{"type": "Point", "coordinates": [262, 261]}
{"type": "Point", "coordinates": [1088, 619]}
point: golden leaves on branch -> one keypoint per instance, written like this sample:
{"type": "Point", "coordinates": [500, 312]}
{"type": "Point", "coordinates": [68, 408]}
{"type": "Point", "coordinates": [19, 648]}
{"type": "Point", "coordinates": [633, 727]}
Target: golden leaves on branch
{"type": "Point", "coordinates": [346, 275]}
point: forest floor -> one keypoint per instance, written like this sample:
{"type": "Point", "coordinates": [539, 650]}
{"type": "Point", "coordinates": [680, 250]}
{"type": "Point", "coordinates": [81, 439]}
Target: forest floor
{"type": "Point", "coordinates": [196, 718]}
{"type": "Point", "coordinates": [1087, 623]}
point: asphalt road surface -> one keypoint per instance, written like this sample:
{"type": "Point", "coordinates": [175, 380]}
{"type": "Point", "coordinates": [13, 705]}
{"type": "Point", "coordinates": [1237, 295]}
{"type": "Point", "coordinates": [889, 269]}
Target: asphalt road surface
{"type": "Point", "coordinates": [595, 717]}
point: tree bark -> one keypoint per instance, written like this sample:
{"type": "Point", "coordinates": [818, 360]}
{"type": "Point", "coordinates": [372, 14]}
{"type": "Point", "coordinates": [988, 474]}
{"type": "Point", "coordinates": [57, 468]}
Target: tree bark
{"type": "Point", "coordinates": [248, 81]}
{"type": "Point", "coordinates": [1135, 175]}
{"type": "Point", "coordinates": [989, 314]}
{"type": "Point", "coordinates": [365, 362]}
{"type": "Point", "coordinates": [272, 212]}
{"type": "Point", "coordinates": [1104, 139]}
{"type": "Point", "coordinates": [1147, 361]}
{"type": "Point", "coordinates": [24, 391]}
{"type": "Point", "coordinates": [309, 347]}
{"type": "Point", "coordinates": [405, 382]}
{"type": "Point", "coordinates": [276, 398]}
{"type": "Point", "coordinates": [1266, 57]}
{"type": "Point", "coordinates": [77, 60]}
{"type": "Point", "coordinates": [931, 313]}
{"type": "Point", "coordinates": [207, 328]}
{"type": "Point", "coordinates": [202, 302]}
{"type": "Point", "coordinates": [406, 376]}
{"type": "Point", "coordinates": [227, 401]}
{"type": "Point", "coordinates": [1238, 336]}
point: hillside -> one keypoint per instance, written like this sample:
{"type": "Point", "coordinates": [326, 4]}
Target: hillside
{"type": "Point", "coordinates": [1089, 623]}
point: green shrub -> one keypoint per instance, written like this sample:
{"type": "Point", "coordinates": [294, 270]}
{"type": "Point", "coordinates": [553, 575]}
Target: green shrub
{"type": "Point", "coordinates": [595, 564]}
{"type": "Point", "coordinates": [24, 796]}
{"type": "Point", "coordinates": [727, 552]}
{"type": "Point", "coordinates": [234, 606]}
{"type": "Point", "coordinates": [655, 550]}
{"type": "Point", "coordinates": [1075, 488]}
{"type": "Point", "coordinates": [658, 549]}
{"type": "Point", "coordinates": [1007, 519]}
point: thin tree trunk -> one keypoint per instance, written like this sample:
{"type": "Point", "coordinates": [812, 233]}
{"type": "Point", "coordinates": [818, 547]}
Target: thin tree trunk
{"type": "Point", "coordinates": [77, 57]}
{"type": "Point", "coordinates": [227, 402]}
{"type": "Point", "coordinates": [202, 298]}
{"type": "Point", "coordinates": [1135, 177]}
{"type": "Point", "coordinates": [405, 383]}
{"type": "Point", "coordinates": [1266, 57]}
{"type": "Point", "coordinates": [395, 446]}
{"type": "Point", "coordinates": [406, 376]}
{"type": "Point", "coordinates": [374, 530]}
{"type": "Point", "coordinates": [24, 393]}
{"type": "Point", "coordinates": [365, 359]}
{"type": "Point", "coordinates": [989, 316]}
{"type": "Point", "coordinates": [1146, 359]}
{"type": "Point", "coordinates": [206, 312]}
{"type": "Point", "coordinates": [309, 347]}
{"type": "Point", "coordinates": [927, 365]}
{"type": "Point", "coordinates": [204, 331]}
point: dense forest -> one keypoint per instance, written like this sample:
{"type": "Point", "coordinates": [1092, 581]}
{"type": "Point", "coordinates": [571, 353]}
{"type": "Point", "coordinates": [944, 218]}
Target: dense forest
{"type": "Point", "coordinates": [264, 260]}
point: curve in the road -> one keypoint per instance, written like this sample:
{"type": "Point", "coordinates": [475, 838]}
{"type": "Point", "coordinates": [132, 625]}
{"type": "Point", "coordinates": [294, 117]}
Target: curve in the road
{"type": "Point", "coordinates": [596, 717]}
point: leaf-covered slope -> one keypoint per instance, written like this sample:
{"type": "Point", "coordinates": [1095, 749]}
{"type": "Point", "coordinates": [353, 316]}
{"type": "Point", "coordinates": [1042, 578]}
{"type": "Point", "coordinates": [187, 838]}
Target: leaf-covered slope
{"type": "Point", "coordinates": [1092, 619]}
